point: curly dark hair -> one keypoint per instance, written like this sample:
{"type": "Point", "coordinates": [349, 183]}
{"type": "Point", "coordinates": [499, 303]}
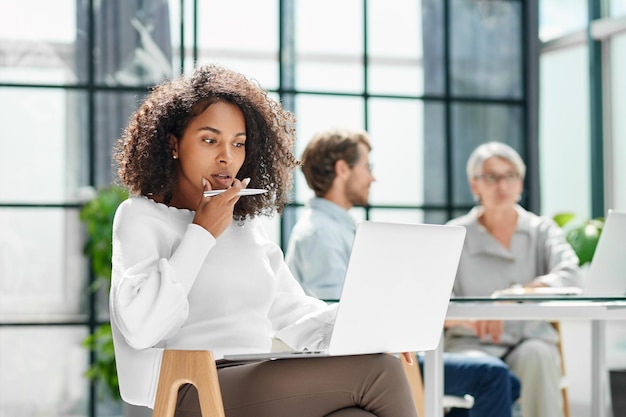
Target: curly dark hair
{"type": "Point", "coordinates": [144, 154]}
{"type": "Point", "coordinates": [324, 150]}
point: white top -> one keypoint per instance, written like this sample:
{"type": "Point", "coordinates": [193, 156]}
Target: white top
{"type": "Point", "coordinates": [175, 286]}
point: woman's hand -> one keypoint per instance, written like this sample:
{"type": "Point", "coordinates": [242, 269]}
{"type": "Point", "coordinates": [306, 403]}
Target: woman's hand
{"type": "Point", "coordinates": [536, 284]}
{"type": "Point", "coordinates": [215, 213]}
{"type": "Point", "coordinates": [408, 357]}
{"type": "Point", "coordinates": [492, 328]}
{"type": "Point", "coordinates": [482, 328]}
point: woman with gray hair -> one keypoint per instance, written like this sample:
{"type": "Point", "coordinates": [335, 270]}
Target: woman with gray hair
{"type": "Point", "coordinates": [507, 246]}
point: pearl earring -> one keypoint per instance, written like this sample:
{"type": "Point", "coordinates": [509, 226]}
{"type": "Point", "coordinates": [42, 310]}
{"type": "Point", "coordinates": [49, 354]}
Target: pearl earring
{"type": "Point", "coordinates": [175, 156]}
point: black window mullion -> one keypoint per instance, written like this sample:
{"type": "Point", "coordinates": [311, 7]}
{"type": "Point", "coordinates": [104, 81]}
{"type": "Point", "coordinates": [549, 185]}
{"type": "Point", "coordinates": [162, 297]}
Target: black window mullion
{"type": "Point", "coordinates": [449, 160]}
{"type": "Point", "coordinates": [91, 149]}
{"type": "Point", "coordinates": [530, 79]}
{"type": "Point", "coordinates": [596, 136]}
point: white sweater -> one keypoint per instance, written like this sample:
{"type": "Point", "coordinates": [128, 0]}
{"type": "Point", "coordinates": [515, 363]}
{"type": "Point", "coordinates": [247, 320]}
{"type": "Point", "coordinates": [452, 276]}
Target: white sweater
{"type": "Point", "coordinates": [175, 286]}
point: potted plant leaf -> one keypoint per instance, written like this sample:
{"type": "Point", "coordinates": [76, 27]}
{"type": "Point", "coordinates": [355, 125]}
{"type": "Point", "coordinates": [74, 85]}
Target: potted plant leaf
{"type": "Point", "coordinates": [582, 234]}
{"type": "Point", "coordinates": [97, 215]}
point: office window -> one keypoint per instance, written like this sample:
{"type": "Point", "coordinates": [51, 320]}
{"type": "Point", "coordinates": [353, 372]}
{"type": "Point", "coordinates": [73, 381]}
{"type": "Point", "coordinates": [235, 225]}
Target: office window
{"type": "Point", "coordinates": [580, 105]}
{"type": "Point", "coordinates": [557, 20]}
{"type": "Point", "coordinates": [43, 379]}
{"type": "Point", "coordinates": [429, 80]}
{"type": "Point", "coordinates": [245, 41]}
{"type": "Point", "coordinates": [395, 51]}
{"type": "Point", "coordinates": [564, 131]}
{"type": "Point", "coordinates": [396, 129]}
{"type": "Point", "coordinates": [328, 43]}
{"type": "Point", "coordinates": [36, 50]}
{"type": "Point", "coordinates": [486, 53]}
{"type": "Point", "coordinates": [617, 8]}
{"type": "Point", "coordinates": [473, 124]}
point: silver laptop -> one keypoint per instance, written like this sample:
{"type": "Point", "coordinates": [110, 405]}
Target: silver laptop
{"type": "Point", "coordinates": [607, 272]}
{"type": "Point", "coordinates": [396, 291]}
{"type": "Point", "coordinates": [606, 276]}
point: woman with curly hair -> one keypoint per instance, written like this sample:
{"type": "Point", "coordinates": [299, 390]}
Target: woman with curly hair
{"type": "Point", "coordinates": [186, 276]}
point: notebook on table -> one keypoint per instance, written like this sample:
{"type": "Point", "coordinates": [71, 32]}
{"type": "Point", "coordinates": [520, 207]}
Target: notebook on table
{"type": "Point", "coordinates": [606, 276]}
{"type": "Point", "coordinates": [396, 291]}
{"type": "Point", "coordinates": [539, 292]}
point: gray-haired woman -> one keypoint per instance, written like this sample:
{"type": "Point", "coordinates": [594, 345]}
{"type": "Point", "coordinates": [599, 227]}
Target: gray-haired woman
{"type": "Point", "coordinates": [508, 246]}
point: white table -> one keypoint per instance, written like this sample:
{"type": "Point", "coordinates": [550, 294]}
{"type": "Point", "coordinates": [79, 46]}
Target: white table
{"type": "Point", "coordinates": [595, 310]}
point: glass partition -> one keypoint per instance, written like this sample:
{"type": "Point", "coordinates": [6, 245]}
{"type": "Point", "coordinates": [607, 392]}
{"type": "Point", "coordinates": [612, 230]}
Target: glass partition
{"type": "Point", "coordinates": [564, 130]}
{"type": "Point", "coordinates": [618, 128]}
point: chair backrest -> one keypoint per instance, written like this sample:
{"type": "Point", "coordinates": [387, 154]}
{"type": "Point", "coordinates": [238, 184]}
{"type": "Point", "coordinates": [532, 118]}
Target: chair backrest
{"type": "Point", "coordinates": [195, 367]}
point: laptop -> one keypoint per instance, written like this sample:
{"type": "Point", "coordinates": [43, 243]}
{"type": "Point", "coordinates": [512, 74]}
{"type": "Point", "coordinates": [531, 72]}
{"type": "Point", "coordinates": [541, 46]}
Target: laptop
{"type": "Point", "coordinates": [396, 291]}
{"type": "Point", "coordinates": [607, 272]}
{"type": "Point", "coordinates": [606, 276]}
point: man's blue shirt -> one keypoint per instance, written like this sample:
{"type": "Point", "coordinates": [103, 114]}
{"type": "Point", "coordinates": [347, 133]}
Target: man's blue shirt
{"type": "Point", "coordinates": [319, 248]}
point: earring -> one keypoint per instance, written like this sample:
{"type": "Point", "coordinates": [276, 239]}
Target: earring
{"type": "Point", "coordinates": [519, 198]}
{"type": "Point", "coordinates": [476, 198]}
{"type": "Point", "coordinates": [175, 156]}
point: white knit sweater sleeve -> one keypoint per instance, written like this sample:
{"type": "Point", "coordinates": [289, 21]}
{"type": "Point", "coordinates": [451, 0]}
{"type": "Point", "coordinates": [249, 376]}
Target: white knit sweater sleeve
{"type": "Point", "coordinates": [150, 280]}
{"type": "Point", "coordinates": [301, 321]}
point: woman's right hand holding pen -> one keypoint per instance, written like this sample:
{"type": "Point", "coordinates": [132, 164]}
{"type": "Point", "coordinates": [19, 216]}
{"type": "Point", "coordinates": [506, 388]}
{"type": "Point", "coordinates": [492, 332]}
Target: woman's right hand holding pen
{"type": "Point", "coordinates": [215, 213]}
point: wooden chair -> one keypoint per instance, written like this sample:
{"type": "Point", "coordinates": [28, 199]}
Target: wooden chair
{"type": "Point", "coordinates": [564, 395]}
{"type": "Point", "coordinates": [416, 383]}
{"type": "Point", "coordinates": [195, 367]}
{"type": "Point", "coordinates": [414, 376]}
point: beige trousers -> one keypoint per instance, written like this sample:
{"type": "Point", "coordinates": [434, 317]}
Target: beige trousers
{"type": "Point", "coordinates": [538, 366]}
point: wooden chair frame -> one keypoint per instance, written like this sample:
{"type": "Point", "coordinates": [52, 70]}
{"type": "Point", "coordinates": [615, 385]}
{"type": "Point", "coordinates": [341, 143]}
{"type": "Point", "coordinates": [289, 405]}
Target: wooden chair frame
{"type": "Point", "coordinates": [564, 394]}
{"type": "Point", "coordinates": [416, 383]}
{"type": "Point", "coordinates": [197, 367]}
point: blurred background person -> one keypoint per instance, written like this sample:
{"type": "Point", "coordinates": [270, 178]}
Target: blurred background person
{"type": "Point", "coordinates": [336, 167]}
{"type": "Point", "coordinates": [507, 246]}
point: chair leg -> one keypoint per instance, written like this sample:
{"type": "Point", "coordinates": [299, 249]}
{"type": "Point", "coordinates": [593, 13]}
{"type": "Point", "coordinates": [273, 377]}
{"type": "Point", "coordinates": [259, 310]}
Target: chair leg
{"type": "Point", "coordinates": [180, 367]}
{"type": "Point", "coordinates": [564, 395]}
{"type": "Point", "coordinates": [566, 411]}
{"type": "Point", "coordinates": [414, 376]}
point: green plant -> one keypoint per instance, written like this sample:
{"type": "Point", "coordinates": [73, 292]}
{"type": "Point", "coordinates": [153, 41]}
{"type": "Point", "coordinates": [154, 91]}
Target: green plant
{"type": "Point", "coordinates": [97, 214]}
{"type": "Point", "coordinates": [582, 234]}
{"type": "Point", "coordinates": [103, 369]}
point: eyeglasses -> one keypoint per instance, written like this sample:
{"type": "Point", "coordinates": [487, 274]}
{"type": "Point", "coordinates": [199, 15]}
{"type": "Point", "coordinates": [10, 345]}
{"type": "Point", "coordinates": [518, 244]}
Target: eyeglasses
{"type": "Point", "coordinates": [492, 179]}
